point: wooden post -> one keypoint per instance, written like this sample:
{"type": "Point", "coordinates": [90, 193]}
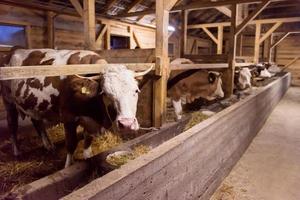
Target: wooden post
{"type": "Point", "coordinates": [270, 48]}
{"type": "Point", "coordinates": [184, 20]}
{"type": "Point", "coordinates": [240, 45]}
{"type": "Point", "coordinates": [256, 43]}
{"type": "Point", "coordinates": [161, 53]}
{"type": "Point", "coordinates": [220, 40]}
{"type": "Point", "coordinates": [89, 24]}
{"type": "Point", "coordinates": [50, 29]}
{"type": "Point", "coordinates": [131, 39]}
{"type": "Point", "coordinates": [231, 53]}
{"type": "Point", "coordinates": [28, 36]}
{"type": "Point", "coordinates": [107, 37]}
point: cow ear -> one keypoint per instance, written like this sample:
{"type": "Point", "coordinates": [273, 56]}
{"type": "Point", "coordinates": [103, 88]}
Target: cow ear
{"type": "Point", "coordinates": [211, 77]}
{"type": "Point", "coordinates": [84, 88]}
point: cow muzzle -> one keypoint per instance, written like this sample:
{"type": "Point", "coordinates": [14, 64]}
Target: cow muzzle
{"type": "Point", "coordinates": [128, 124]}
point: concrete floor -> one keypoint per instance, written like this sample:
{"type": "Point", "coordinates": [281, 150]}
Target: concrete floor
{"type": "Point", "coordinates": [270, 168]}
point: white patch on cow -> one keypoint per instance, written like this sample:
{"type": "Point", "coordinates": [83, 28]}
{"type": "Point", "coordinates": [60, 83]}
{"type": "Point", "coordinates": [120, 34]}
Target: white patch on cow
{"type": "Point", "coordinates": [88, 153]}
{"type": "Point", "coordinates": [274, 69]}
{"type": "Point", "coordinates": [219, 91]}
{"type": "Point", "coordinates": [265, 74]}
{"type": "Point", "coordinates": [244, 79]}
{"type": "Point", "coordinates": [178, 109]}
{"type": "Point", "coordinates": [121, 87]}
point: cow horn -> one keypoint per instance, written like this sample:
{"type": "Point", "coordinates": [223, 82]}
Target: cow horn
{"type": "Point", "coordinates": [137, 74]}
{"type": "Point", "coordinates": [97, 77]}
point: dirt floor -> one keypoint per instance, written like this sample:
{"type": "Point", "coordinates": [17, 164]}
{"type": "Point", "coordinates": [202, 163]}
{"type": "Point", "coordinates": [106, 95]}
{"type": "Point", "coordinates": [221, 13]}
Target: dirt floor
{"type": "Point", "coordinates": [270, 168]}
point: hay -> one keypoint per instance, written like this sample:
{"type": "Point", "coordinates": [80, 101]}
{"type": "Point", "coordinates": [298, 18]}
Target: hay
{"type": "Point", "coordinates": [99, 144]}
{"type": "Point", "coordinates": [196, 118]}
{"type": "Point", "coordinates": [225, 192]}
{"type": "Point", "coordinates": [119, 160]}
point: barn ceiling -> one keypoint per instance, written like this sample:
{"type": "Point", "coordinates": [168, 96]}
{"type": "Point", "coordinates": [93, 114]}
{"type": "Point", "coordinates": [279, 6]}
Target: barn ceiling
{"type": "Point", "coordinates": [113, 8]}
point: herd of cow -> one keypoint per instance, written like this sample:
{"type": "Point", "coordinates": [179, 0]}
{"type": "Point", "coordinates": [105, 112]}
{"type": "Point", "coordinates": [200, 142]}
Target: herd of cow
{"type": "Point", "coordinates": [95, 102]}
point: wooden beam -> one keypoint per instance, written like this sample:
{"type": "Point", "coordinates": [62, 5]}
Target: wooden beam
{"type": "Point", "coordinates": [107, 38]}
{"type": "Point", "coordinates": [256, 43]}
{"type": "Point", "coordinates": [210, 35]}
{"type": "Point", "coordinates": [89, 24]}
{"type": "Point", "coordinates": [205, 66]}
{"type": "Point", "coordinates": [184, 21]}
{"type": "Point", "coordinates": [252, 16]}
{"type": "Point", "coordinates": [193, 46]}
{"type": "Point", "coordinates": [162, 62]}
{"type": "Point", "coordinates": [76, 4]}
{"type": "Point", "coordinates": [100, 37]}
{"type": "Point", "coordinates": [229, 74]}
{"type": "Point", "coordinates": [8, 73]}
{"type": "Point", "coordinates": [131, 38]}
{"type": "Point", "coordinates": [290, 63]}
{"type": "Point", "coordinates": [50, 29]}
{"type": "Point", "coordinates": [280, 40]}
{"type": "Point", "coordinates": [269, 32]}
{"type": "Point", "coordinates": [28, 36]}
{"type": "Point", "coordinates": [197, 5]}
{"type": "Point", "coordinates": [261, 21]}
{"type": "Point", "coordinates": [220, 40]}
{"type": "Point", "coordinates": [168, 5]}
{"type": "Point", "coordinates": [225, 10]}
{"type": "Point", "coordinates": [132, 5]}
{"type": "Point", "coordinates": [137, 40]}
{"type": "Point", "coordinates": [109, 4]}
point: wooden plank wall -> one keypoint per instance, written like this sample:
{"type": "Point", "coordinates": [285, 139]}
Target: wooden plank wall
{"type": "Point", "coordinates": [286, 51]}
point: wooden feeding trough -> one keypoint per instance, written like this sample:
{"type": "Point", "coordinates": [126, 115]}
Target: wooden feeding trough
{"type": "Point", "coordinates": [181, 165]}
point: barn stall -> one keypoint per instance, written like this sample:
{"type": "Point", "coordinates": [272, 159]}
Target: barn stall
{"type": "Point", "coordinates": [132, 27]}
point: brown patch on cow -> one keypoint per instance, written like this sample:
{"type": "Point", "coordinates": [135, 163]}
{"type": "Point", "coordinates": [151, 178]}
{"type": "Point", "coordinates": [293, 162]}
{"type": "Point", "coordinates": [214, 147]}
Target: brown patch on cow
{"type": "Point", "coordinates": [20, 86]}
{"type": "Point", "coordinates": [74, 59]}
{"type": "Point", "coordinates": [48, 62]}
{"type": "Point", "coordinates": [34, 83]}
{"type": "Point", "coordinates": [54, 103]}
{"type": "Point", "coordinates": [44, 105]}
{"type": "Point", "coordinates": [89, 59]}
{"type": "Point", "coordinates": [26, 92]}
{"type": "Point", "coordinates": [30, 102]}
{"type": "Point", "coordinates": [55, 81]}
{"type": "Point", "coordinates": [34, 58]}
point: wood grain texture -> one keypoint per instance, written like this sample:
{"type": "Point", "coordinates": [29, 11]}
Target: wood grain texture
{"type": "Point", "coordinates": [193, 164]}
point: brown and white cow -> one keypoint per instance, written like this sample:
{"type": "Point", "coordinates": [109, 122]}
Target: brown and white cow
{"type": "Point", "coordinates": [193, 84]}
{"type": "Point", "coordinates": [72, 100]}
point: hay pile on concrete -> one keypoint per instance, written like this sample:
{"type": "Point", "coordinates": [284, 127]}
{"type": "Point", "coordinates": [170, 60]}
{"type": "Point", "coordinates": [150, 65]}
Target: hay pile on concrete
{"type": "Point", "coordinates": [225, 192]}
{"type": "Point", "coordinates": [124, 157]}
{"type": "Point", "coordinates": [101, 143]}
{"type": "Point", "coordinates": [196, 118]}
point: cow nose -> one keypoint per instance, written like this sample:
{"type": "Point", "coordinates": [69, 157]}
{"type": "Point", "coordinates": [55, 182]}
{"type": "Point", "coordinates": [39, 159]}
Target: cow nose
{"type": "Point", "coordinates": [125, 123]}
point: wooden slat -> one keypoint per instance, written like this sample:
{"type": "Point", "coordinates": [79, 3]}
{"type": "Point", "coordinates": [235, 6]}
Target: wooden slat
{"type": "Point", "coordinates": [248, 19]}
{"type": "Point", "coordinates": [7, 73]}
{"type": "Point", "coordinates": [220, 40]}
{"type": "Point", "coordinates": [225, 10]}
{"type": "Point", "coordinates": [136, 40]}
{"type": "Point", "coordinates": [132, 5]}
{"type": "Point", "coordinates": [256, 43]}
{"type": "Point", "coordinates": [100, 37]}
{"type": "Point", "coordinates": [205, 66]}
{"type": "Point", "coordinates": [184, 21]}
{"type": "Point", "coordinates": [109, 4]}
{"type": "Point", "coordinates": [50, 29]}
{"type": "Point", "coordinates": [28, 36]}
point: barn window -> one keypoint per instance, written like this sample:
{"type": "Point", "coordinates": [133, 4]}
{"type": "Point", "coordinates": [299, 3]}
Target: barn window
{"type": "Point", "coordinates": [12, 35]}
{"type": "Point", "coordinates": [119, 42]}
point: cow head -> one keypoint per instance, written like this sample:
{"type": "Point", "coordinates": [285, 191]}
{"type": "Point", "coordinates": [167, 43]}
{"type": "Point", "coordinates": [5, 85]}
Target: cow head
{"type": "Point", "coordinates": [244, 78]}
{"type": "Point", "coordinates": [215, 78]}
{"type": "Point", "coordinates": [119, 87]}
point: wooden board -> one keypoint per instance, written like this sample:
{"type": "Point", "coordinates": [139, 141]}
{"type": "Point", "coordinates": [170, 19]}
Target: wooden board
{"type": "Point", "coordinates": [193, 164]}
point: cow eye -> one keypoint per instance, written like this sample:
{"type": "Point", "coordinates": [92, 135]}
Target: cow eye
{"type": "Point", "coordinates": [137, 91]}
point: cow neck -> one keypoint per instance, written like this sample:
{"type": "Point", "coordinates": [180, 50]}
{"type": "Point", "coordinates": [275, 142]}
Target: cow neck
{"type": "Point", "coordinates": [106, 103]}
{"type": "Point", "coordinates": [181, 76]}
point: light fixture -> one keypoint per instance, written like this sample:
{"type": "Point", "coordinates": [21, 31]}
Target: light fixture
{"type": "Point", "coordinates": [171, 28]}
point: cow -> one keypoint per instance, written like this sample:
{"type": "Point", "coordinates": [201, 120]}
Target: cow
{"type": "Point", "coordinates": [104, 99]}
{"type": "Point", "coordinates": [242, 79]}
{"type": "Point", "coordinates": [193, 84]}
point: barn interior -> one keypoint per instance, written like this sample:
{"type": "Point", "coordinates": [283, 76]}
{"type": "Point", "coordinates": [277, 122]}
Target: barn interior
{"type": "Point", "coordinates": [219, 35]}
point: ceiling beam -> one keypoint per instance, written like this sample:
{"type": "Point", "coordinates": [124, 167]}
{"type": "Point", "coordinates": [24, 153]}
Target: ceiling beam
{"type": "Point", "coordinates": [132, 5]}
{"type": "Point", "coordinates": [76, 4]}
{"type": "Point", "coordinates": [261, 21]}
{"type": "Point", "coordinates": [225, 10]}
{"type": "Point", "coordinates": [252, 16]}
{"type": "Point", "coordinates": [109, 5]}
{"type": "Point", "coordinates": [198, 5]}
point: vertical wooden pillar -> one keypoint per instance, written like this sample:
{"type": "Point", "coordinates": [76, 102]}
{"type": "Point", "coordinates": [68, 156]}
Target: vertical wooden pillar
{"type": "Point", "coordinates": [50, 29]}
{"type": "Point", "coordinates": [257, 43]}
{"type": "Point", "coordinates": [28, 36]}
{"type": "Point", "coordinates": [231, 53]}
{"type": "Point", "coordinates": [184, 20]}
{"type": "Point", "coordinates": [270, 48]}
{"type": "Point", "coordinates": [162, 64]}
{"type": "Point", "coordinates": [220, 40]}
{"type": "Point", "coordinates": [131, 39]}
{"type": "Point", "coordinates": [107, 37]}
{"type": "Point", "coordinates": [239, 46]}
{"type": "Point", "coordinates": [89, 24]}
